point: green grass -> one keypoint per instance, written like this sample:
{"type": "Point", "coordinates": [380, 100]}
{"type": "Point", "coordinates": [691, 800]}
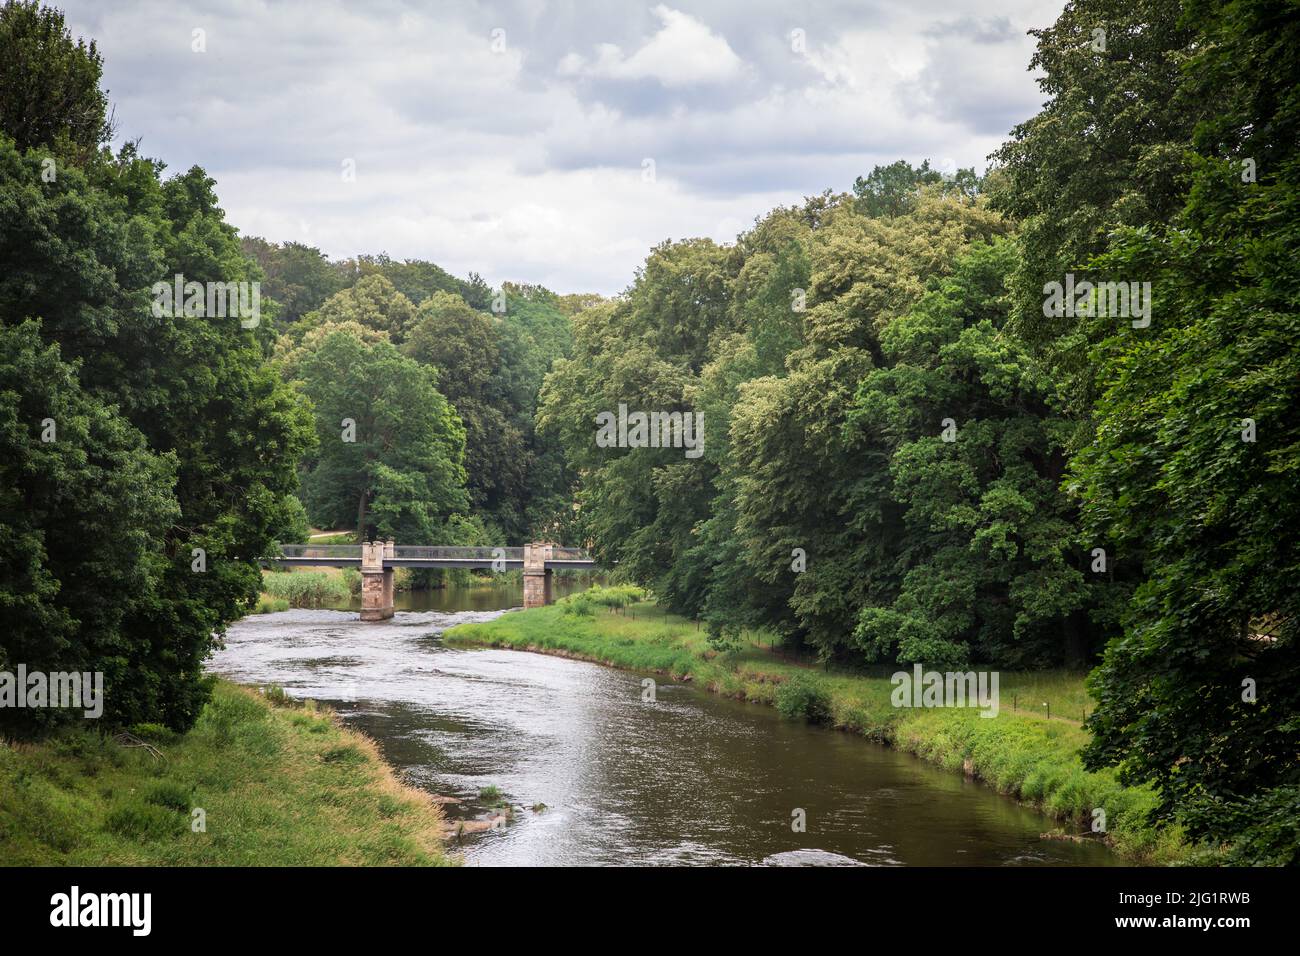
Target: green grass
{"type": "Point", "coordinates": [312, 589]}
{"type": "Point", "coordinates": [279, 785]}
{"type": "Point", "coordinates": [270, 605]}
{"type": "Point", "coordinates": [1021, 753]}
{"type": "Point", "coordinates": [341, 537]}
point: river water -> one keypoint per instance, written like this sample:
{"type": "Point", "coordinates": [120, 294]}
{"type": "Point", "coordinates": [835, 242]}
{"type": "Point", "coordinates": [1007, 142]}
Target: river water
{"type": "Point", "coordinates": [691, 778]}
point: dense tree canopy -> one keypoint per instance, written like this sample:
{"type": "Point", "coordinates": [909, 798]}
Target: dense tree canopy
{"type": "Point", "coordinates": [417, 279]}
{"type": "Point", "coordinates": [1193, 469]}
{"type": "Point", "coordinates": [1108, 149]}
{"type": "Point", "coordinates": [299, 278]}
{"type": "Point", "coordinates": [981, 558]}
{"type": "Point", "coordinates": [188, 400]}
{"type": "Point", "coordinates": [81, 517]}
{"type": "Point", "coordinates": [373, 302]}
{"type": "Point", "coordinates": [49, 83]}
{"type": "Point", "coordinates": [390, 448]}
{"type": "Point", "coordinates": [489, 366]}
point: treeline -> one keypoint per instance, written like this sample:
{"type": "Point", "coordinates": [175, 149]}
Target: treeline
{"type": "Point", "coordinates": [913, 455]}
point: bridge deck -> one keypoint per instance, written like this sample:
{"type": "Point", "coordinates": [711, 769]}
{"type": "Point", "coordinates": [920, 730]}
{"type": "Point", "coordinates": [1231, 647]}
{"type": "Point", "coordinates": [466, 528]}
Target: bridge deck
{"type": "Point", "coordinates": [487, 565]}
{"type": "Point", "coordinates": [411, 556]}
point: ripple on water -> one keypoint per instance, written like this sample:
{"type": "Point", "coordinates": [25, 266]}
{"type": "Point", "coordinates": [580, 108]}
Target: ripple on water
{"type": "Point", "coordinates": [691, 778]}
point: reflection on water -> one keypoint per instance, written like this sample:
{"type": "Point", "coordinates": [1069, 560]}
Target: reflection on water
{"type": "Point", "coordinates": [693, 778]}
{"type": "Point", "coordinates": [481, 597]}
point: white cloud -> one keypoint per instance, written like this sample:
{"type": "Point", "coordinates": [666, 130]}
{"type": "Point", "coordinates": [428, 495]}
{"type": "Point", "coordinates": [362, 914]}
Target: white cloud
{"type": "Point", "coordinates": [496, 162]}
{"type": "Point", "coordinates": [683, 53]}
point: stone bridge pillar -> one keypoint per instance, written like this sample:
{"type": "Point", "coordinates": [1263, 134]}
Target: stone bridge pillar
{"type": "Point", "coordinates": [376, 581]}
{"type": "Point", "coordinates": [537, 577]}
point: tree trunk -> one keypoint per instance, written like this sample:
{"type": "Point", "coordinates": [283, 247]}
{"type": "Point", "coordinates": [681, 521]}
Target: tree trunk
{"type": "Point", "coordinates": [1076, 645]}
{"type": "Point", "coordinates": [361, 516]}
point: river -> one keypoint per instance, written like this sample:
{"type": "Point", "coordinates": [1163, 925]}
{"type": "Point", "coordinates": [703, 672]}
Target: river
{"type": "Point", "coordinates": [691, 778]}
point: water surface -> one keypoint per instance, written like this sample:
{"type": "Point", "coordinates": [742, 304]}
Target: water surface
{"type": "Point", "coordinates": [691, 778]}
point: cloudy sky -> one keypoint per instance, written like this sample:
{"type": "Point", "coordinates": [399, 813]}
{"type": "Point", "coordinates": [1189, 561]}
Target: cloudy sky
{"type": "Point", "coordinates": [552, 142]}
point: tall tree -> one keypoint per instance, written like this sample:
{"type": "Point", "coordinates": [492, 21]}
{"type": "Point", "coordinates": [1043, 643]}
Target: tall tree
{"type": "Point", "coordinates": [84, 509]}
{"type": "Point", "coordinates": [1107, 150]}
{"type": "Point", "coordinates": [640, 505]}
{"type": "Point", "coordinates": [49, 83]}
{"type": "Point", "coordinates": [298, 277]}
{"type": "Point", "coordinates": [81, 252]}
{"type": "Point", "coordinates": [461, 344]}
{"type": "Point", "coordinates": [1197, 451]}
{"type": "Point", "coordinates": [373, 302]}
{"type": "Point", "coordinates": [799, 482]}
{"type": "Point", "coordinates": [986, 563]}
{"type": "Point", "coordinates": [390, 448]}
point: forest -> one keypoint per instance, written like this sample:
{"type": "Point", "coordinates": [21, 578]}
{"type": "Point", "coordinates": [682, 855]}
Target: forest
{"type": "Point", "coordinates": [913, 455]}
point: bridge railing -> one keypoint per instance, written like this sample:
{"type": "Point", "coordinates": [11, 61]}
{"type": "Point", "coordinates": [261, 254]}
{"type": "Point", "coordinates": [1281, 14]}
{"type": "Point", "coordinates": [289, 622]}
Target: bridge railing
{"type": "Point", "coordinates": [352, 552]}
{"type": "Point", "coordinates": [320, 551]}
{"type": "Point", "coordinates": [454, 553]}
{"type": "Point", "coordinates": [569, 554]}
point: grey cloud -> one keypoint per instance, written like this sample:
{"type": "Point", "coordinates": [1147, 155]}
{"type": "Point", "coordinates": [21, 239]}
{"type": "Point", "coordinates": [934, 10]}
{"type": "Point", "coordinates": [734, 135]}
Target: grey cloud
{"type": "Point", "coordinates": [504, 163]}
{"type": "Point", "coordinates": [993, 30]}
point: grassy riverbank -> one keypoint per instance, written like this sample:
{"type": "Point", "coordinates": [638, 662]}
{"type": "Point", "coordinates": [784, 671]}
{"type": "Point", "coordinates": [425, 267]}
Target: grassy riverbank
{"type": "Point", "coordinates": [278, 784]}
{"type": "Point", "coordinates": [1020, 752]}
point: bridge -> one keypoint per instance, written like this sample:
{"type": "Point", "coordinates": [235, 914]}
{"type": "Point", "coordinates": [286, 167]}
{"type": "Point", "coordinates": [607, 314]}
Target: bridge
{"type": "Point", "coordinates": [377, 559]}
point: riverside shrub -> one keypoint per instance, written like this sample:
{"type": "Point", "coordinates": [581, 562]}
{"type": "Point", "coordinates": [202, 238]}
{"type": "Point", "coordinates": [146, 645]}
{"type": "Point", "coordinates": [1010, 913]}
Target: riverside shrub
{"type": "Point", "coordinates": [802, 696]}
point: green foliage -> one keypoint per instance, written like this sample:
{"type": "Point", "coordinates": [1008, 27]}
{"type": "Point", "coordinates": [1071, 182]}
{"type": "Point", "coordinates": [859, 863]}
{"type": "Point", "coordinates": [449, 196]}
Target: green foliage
{"type": "Point", "coordinates": [313, 589]}
{"type": "Point", "coordinates": [417, 279]}
{"type": "Point", "coordinates": [1175, 476]}
{"type": "Point", "coordinates": [1107, 149]}
{"type": "Point", "coordinates": [295, 527]}
{"type": "Point", "coordinates": [578, 605]}
{"type": "Point", "coordinates": [81, 517]}
{"type": "Point", "coordinates": [168, 794]}
{"type": "Point", "coordinates": [402, 476]}
{"type": "Point", "coordinates": [801, 481]}
{"type": "Point", "coordinates": [985, 565]}
{"type": "Point", "coordinates": [461, 345]}
{"type": "Point", "coordinates": [145, 822]}
{"type": "Point", "coordinates": [351, 578]}
{"type": "Point", "coordinates": [153, 733]}
{"type": "Point", "coordinates": [270, 605]}
{"type": "Point", "coordinates": [618, 596]}
{"type": "Point", "coordinates": [802, 697]}
{"type": "Point", "coordinates": [373, 303]}
{"type": "Point", "coordinates": [49, 84]}
{"type": "Point", "coordinates": [639, 505]}
{"type": "Point", "coordinates": [298, 277]}
{"type": "Point", "coordinates": [1260, 830]}
{"type": "Point", "coordinates": [488, 367]}
{"type": "Point", "coordinates": [893, 190]}
{"type": "Point", "coordinates": [174, 435]}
